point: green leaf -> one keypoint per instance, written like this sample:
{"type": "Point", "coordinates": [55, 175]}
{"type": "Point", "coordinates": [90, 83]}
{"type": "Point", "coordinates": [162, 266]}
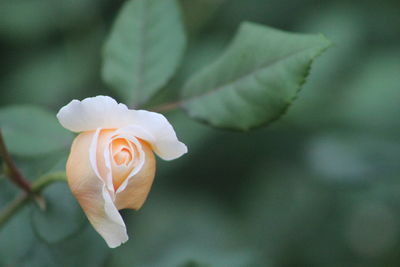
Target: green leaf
{"type": "Point", "coordinates": [62, 218]}
{"type": "Point", "coordinates": [39, 256]}
{"type": "Point", "coordinates": [255, 80]}
{"type": "Point", "coordinates": [144, 49]}
{"type": "Point", "coordinates": [30, 131]}
{"type": "Point", "coordinates": [69, 251]}
{"type": "Point", "coordinates": [16, 239]}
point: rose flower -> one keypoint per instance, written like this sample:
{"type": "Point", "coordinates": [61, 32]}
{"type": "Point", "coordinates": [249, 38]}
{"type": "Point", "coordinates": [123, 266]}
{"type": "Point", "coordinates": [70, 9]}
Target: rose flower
{"type": "Point", "coordinates": [111, 165]}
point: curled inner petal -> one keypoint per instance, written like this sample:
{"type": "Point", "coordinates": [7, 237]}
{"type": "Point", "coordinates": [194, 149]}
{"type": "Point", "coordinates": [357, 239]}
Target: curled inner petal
{"type": "Point", "coordinates": [135, 193]}
{"type": "Point", "coordinates": [125, 158]}
{"type": "Point", "coordinates": [121, 152]}
{"type": "Point", "coordinates": [118, 158]}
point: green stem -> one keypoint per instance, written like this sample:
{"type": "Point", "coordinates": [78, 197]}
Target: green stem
{"type": "Point", "coordinates": [21, 200]}
{"type": "Point", "coordinates": [48, 179]}
{"type": "Point", "coordinates": [13, 207]}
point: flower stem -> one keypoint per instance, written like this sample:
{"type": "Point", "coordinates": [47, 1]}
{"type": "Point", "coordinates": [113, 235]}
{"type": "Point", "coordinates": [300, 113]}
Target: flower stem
{"type": "Point", "coordinates": [21, 200]}
{"type": "Point", "coordinates": [11, 169]}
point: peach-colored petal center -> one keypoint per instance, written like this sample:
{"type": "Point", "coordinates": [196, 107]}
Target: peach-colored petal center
{"type": "Point", "coordinates": [125, 157]}
{"type": "Point", "coordinates": [121, 152]}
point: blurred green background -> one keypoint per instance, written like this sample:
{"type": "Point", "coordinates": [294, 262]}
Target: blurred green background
{"type": "Point", "coordinates": [321, 187]}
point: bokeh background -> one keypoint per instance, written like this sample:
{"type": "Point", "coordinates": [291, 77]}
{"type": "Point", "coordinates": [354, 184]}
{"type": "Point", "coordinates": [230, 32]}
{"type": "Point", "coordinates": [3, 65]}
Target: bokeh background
{"type": "Point", "coordinates": [320, 187]}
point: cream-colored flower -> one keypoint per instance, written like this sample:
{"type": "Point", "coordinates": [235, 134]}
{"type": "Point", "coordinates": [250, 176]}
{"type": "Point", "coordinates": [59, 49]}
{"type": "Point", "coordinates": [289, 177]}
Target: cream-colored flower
{"type": "Point", "coordinates": [111, 165]}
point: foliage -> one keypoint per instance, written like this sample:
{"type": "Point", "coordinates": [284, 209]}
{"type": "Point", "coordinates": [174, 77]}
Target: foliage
{"type": "Point", "coordinates": [144, 48]}
{"type": "Point", "coordinates": [319, 187]}
{"type": "Point", "coordinates": [31, 131]}
{"type": "Point", "coordinates": [255, 80]}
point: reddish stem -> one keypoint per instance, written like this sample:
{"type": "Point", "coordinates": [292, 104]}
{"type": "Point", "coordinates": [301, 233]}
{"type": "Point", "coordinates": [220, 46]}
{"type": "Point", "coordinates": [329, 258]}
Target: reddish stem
{"type": "Point", "coordinates": [12, 171]}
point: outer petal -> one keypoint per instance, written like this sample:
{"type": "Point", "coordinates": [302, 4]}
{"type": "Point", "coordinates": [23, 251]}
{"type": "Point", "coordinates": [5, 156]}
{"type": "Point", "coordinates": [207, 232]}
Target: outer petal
{"type": "Point", "coordinates": [158, 132]}
{"type": "Point", "coordinates": [92, 113]}
{"type": "Point", "coordinates": [92, 194]}
{"type": "Point", "coordinates": [104, 112]}
{"type": "Point", "coordinates": [138, 187]}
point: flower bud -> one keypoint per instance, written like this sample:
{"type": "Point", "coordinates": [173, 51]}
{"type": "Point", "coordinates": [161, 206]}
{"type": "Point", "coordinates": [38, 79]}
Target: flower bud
{"type": "Point", "coordinates": [112, 165]}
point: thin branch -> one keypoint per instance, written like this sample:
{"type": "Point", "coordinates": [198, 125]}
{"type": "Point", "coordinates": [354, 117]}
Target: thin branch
{"type": "Point", "coordinates": [167, 106]}
{"type": "Point", "coordinates": [44, 181]}
{"type": "Point", "coordinates": [30, 191]}
{"type": "Point", "coordinates": [12, 171]}
{"type": "Point", "coordinates": [13, 207]}
{"type": "Point", "coordinates": [24, 198]}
